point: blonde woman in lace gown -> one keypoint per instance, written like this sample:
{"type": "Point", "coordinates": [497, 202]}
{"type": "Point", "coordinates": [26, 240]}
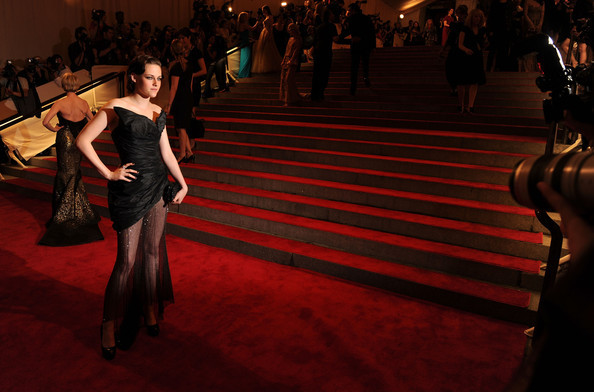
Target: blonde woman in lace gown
{"type": "Point", "coordinates": [266, 56]}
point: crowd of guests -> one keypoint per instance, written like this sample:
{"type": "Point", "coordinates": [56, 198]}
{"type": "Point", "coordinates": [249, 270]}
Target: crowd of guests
{"type": "Point", "coordinates": [263, 37]}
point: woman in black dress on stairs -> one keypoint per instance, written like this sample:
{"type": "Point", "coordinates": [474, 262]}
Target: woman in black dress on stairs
{"type": "Point", "coordinates": [471, 41]}
{"type": "Point", "coordinates": [73, 221]}
{"type": "Point", "coordinates": [181, 98]}
{"type": "Point", "coordinates": [139, 192]}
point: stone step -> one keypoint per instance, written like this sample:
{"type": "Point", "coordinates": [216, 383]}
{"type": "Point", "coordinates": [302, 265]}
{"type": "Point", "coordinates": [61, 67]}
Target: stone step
{"type": "Point", "coordinates": [495, 300]}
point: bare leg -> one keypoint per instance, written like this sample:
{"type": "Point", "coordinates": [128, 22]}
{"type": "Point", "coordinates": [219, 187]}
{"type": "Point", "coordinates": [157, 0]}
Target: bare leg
{"type": "Point", "coordinates": [183, 144]}
{"type": "Point", "coordinates": [461, 97]}
{"type": "Point", "coordinates": [472, 90]}
{"type": "Point", "coordinates": [154, 226]}
{"type": "Point", "coordinates": [583, 52]}
{"type": "Point", "coordinates": [116, 291]}
{"type": "Point", "coordinates": [145, 237]}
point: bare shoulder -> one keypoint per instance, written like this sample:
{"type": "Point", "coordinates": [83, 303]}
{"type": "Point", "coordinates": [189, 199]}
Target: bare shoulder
{"type": "Point", "coordinates": [156, 108]}
{"type": "Point", "coordinates": [115, 102]}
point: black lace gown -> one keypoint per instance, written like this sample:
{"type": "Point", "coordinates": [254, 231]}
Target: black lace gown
{"type": "Point", "coordinates": [141, 276]}
{"type": "Point", "coordinates": [73, 221]}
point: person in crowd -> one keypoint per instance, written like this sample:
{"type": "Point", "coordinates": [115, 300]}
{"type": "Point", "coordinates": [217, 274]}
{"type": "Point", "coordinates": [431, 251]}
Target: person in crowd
{"type": "Point", "coordinates": [217, 64]}
{"type": "Point", "coordinates": [430, 33]}
{"type": "Point", "coordinates": [454, 54]}
{"type": "Point", "coordinates": [180, 98]}
{"type": "Point", "coordinates": [360, 28]}
{"type": "Point", "coordinates": [147, 44]}
{"type": "Point", "coordinates": [106, 50]}
{"type": "Point", "coordinates": [224, 30]}
{"type": "Point", "coordinates": [23, 93]}
{"type": "Point", "coordinates": [399, 34]}
{"type": "Point", "coordinates": [471, 41]}
{"type": "Point", "coordinates": [266, 57]}
{"type": "Point", "coordinates": [73, 221]}
{"type": "Point", "coordinates": [139, 193]}
{"type": "Point", "coordinates": [582, 15]}
{"type": "Point", "coordinates": [559, 26]}
{"type": "Point", "coordinates": [57, 68]}
{"type": "Point", "coordinates": [196, 62]}
{"type": "Point", "coordinates": [245, 55]}
{"type": "Point", "coordinates": [500, 33]}
{"type": "Point", "coordinates": [445, 31]}
{"type": "Point", "coordinates": [532, 20]}
{"type": "Point", "coordinates": [389, 35]}
{"type": "Point", "coordinates": [281, 33]}
{"type": "Point", "coordinates": [80, 52]}
{"type": "Point", "coordinates": [560, 358]}
{"type": "Point", "coordinates": [325, 35]}
{"type": "Point", "coordinates": [288, 84]}
{"type": "Point", "coordinates": [164, 45]}
{"type": "Point", "coordinates": [97, 26]}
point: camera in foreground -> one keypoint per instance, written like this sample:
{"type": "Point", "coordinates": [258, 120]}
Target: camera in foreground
{"type": "Point", "coordinates": [571, 175]}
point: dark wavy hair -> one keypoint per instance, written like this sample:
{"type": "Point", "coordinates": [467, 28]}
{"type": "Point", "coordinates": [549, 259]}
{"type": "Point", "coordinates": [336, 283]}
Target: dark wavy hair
{"type": "Point", "coordinates": [137, 67]}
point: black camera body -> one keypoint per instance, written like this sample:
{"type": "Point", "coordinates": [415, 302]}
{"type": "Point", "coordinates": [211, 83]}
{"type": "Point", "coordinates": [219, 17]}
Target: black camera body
{"type": "Point", "coordinates": [571, 174]}
{"type": "Point", "coordinates": [97, 15]}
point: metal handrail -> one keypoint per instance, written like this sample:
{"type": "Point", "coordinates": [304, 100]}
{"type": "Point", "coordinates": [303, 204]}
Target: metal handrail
{"type": "Point", "coordinates": [12, 120]}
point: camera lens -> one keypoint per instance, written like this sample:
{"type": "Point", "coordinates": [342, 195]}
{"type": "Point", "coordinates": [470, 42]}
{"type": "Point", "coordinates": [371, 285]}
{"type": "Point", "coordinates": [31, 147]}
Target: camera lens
{"type": "Point", "coordinates": [571, 175]}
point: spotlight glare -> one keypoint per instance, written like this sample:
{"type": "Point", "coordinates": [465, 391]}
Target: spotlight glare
{"type": "Point", "coordinates": [284, 4]}
{"type": "Point", "coordinates": [401, 16]}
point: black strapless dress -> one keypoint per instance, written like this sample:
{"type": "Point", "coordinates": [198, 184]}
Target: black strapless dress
{"type": "Point", "coordinates": [141, 274]}
{"type": "Point", "coordinates": [137, 141]}
{"type": "Point", "coordinates": [73, 221]}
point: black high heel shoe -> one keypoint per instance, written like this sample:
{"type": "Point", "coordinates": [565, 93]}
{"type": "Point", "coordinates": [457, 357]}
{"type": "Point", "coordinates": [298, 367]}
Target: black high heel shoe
{"type": "Point", "coordinates": [107, 352]}
{"type": "Point", "coordinates": [190, 159]}
{"type": "Point", "coordinates": [153, 330]}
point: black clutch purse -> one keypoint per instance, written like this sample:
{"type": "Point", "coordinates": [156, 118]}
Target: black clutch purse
{"type": "Point", "coordinates": [170, 191]}
{"type": "Point", "coordinates": [196, 129]}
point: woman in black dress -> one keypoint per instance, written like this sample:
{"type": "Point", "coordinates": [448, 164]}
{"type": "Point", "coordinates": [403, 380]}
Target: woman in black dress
{"type": "Point", "coordinates": [471, 41]}
{"type": "Point", "coordinates": [139, 191]}
{"type": "Point", "coordinates": [180, 98]}
{"type": "Point", "coordinates": [73, 221]}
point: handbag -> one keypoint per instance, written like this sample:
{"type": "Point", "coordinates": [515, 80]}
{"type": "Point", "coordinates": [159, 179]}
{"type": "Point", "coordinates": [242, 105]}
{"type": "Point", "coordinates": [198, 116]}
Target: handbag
{"type": "Point", "coordinates": [170, 191]}
{"type": "Point", "coordinates": [196, 129]}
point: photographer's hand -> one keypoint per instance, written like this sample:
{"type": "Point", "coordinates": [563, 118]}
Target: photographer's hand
{"type": "Point", "coordinates": [580, 235]}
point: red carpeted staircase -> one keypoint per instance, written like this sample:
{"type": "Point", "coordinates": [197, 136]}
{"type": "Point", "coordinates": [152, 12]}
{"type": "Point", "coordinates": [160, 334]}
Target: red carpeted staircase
{"type": "Point", "coordinates": [391, 188]}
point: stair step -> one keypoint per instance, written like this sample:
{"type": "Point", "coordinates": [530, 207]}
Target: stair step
{"type": "Point", "coordinates": [454, 291]}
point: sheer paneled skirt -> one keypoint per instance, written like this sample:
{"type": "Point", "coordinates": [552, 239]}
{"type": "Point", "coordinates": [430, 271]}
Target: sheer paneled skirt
{"type": "Point", "coordinates": [141, 277]}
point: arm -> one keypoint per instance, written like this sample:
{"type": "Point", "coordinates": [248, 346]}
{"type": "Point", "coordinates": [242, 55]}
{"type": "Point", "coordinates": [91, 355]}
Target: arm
{"type": "Point", "coordinates": [461, 43]}
{"type": "Point", "coordinates": [84, 143]}
{"type": "Point", "coordinates": [88, 113]}
{"type": "Point", "coordinates": [294, 60]}
{"type": "Point", "coordinates": [172, 165]}
{"type": "Point", "coordinates": [51, 114]}
{"type": "Point", "coordinates": [202, 69]}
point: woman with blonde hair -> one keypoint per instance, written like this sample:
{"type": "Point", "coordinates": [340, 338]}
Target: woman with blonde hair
{"type": "Point", "coordinates": [471, 42]}
{"type": "Point", "coordinates": [245, 55]}
{"type": "Point", "coordinates": [73, 221]}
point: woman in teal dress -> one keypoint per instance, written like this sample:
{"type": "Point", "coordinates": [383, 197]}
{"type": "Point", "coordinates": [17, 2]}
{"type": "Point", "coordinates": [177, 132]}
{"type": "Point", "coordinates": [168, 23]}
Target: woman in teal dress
{"type": "Point", "coordinates": [245, 55]}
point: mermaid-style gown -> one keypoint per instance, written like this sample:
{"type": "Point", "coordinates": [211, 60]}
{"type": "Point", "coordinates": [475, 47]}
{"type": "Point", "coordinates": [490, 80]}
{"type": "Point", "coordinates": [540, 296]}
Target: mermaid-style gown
{"type": "Point", "coordinates": [141, 276]}
{"type": "Point", "coordinates": [73, 221]}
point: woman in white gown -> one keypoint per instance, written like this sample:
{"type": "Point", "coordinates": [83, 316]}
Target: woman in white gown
{"type": "Point", "coordinates": [266, 56]}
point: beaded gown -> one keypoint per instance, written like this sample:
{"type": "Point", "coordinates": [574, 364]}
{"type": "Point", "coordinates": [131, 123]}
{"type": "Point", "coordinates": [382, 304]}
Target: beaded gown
{"type": "Point", "coordinates": [73, 221]}
{"type": "Point", "coordinates": [141, 274]}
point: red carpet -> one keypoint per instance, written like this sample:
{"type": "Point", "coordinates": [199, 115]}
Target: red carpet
{"type": "Point", "coordinates": [238, 324]}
